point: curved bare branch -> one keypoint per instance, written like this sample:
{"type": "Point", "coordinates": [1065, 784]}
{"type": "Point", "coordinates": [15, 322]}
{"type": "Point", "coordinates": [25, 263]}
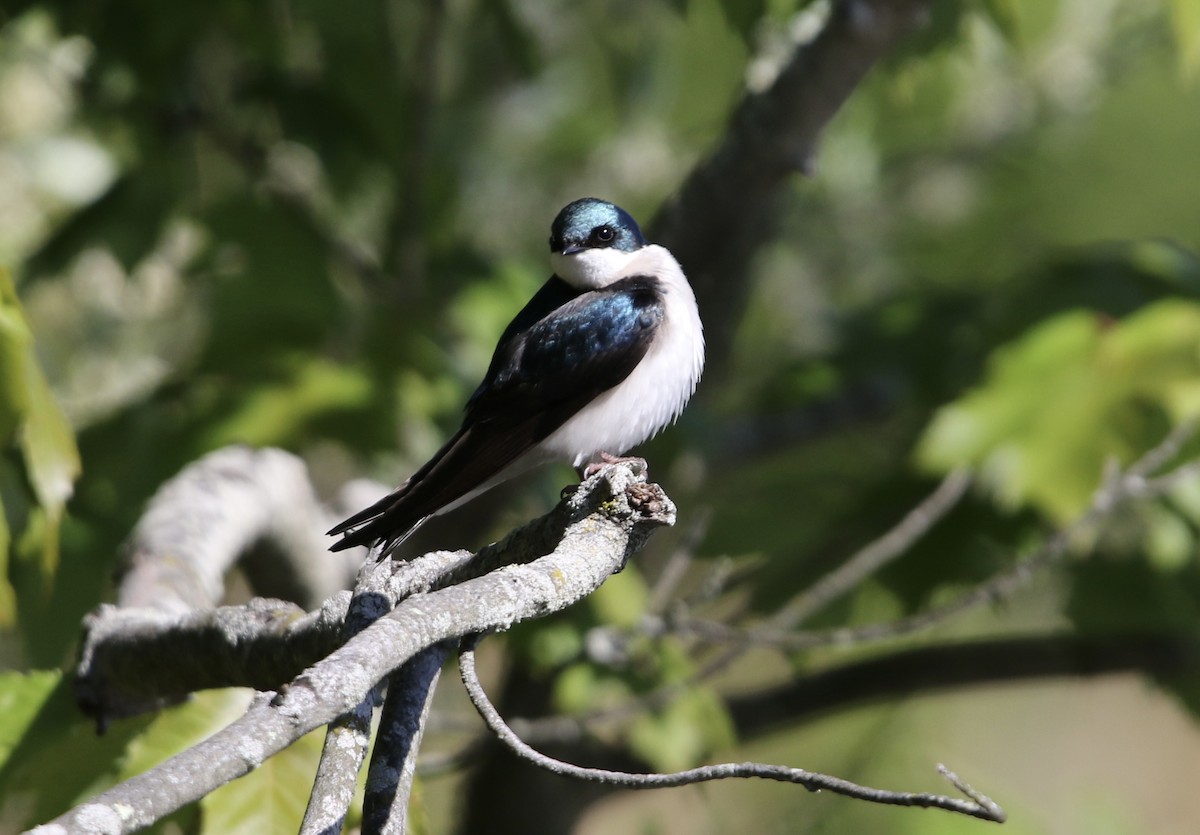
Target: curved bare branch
{"type": "Point", "coordinates": [977, 804]}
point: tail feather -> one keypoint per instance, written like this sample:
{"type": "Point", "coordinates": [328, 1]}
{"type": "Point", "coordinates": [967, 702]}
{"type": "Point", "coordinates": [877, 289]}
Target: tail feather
{"type": "Point", "coordinates": [387, 526]}
{"type": "Point", "coordinates": [468, 461]}
{"type": "Point", "coordinates": [397, 514]}
{"type": "Point", "coordinates": [365, 515]}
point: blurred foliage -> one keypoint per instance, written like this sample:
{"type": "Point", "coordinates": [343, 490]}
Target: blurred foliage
{"type": "Point", "coordinates": [590, 664]}
{"type": "Point", "coordinates": [1061, 400]}
{"type": "Point", "coordinates": [39, 471]}
{"type": "Point", "coordinates": [52, 756]}
{"type": "Point", "coordinates": [305, 224]}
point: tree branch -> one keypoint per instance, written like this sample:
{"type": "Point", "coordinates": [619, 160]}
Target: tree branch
{"type": "Point", "coordinates": [1115, 491]}
{"type": "Point", "coordinates": [592, 533]}
{"type": "Point", "coordinates": [218, 510]}
{"type": "Point", "coordinates": [237, 505]}
{"type": "Point", "coordinates": [962, 664]}
{"type": "Point", "coordinates": [134, 660]}
{"type": "Point", "coordinates": [722, 214]}
{"type": "Point", "coordinates": [865, 562]}
{"type": "Point", "coordinates": [977, 805]}
{"type": "Point", "coordinates": [401, 725]}
{"type": "Point", "coordinates": [381, 586]}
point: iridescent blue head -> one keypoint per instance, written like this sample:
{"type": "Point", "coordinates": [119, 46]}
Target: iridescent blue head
{"type": "Point", "coordinates": [594, 224]}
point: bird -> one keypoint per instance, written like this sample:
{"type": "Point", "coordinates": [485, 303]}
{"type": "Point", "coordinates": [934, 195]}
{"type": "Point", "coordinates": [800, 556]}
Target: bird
{"type": "Point", "coordinates": [603, 357]}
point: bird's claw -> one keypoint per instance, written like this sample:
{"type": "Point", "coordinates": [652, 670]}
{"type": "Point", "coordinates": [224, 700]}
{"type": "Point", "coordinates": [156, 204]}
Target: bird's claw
{"type": "Point", "coordinates": [604, 459]}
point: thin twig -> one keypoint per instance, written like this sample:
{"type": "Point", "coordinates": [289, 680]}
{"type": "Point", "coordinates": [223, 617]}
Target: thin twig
{"type": "Point", "coordinates": [985, 802]}
{"type": "Point", "coordinates": [869, 559]}
{"type": "Point", "coordinates": [977, 805]}
{"type": "Point", "coordinates": [876, 554]}
{"type": "Point", "coordinates": [1114, 491]}
{"type": "Point", "coordinates": [1167, 449]}
{"type": "Point", "coordinates": [676, 568]}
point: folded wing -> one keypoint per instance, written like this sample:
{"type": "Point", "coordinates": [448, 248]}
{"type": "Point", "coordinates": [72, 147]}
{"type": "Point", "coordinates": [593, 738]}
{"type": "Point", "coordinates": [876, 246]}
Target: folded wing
{"type": "Point", "coordinates": [557, 355]}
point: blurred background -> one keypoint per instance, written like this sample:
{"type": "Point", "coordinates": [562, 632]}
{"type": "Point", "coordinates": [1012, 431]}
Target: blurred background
{"type": "Point", "coordinates": [305, 224]}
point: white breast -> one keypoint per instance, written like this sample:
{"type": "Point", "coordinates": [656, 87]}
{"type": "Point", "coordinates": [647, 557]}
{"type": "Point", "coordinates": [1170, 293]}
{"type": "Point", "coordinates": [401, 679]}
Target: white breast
{"type": "Point", "coordinates": [654, 394]}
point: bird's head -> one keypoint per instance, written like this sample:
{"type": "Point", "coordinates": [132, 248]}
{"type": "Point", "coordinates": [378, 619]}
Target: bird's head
{"type": "Point", "coordinates": [592, 241]}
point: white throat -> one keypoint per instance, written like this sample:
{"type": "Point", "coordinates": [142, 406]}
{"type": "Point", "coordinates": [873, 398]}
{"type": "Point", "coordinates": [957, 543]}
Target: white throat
{"type": "Point", "coordinates": [591, 269]}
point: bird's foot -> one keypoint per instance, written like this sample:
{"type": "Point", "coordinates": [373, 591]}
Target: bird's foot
{"type": "Point", "coordinates": [604, 459]}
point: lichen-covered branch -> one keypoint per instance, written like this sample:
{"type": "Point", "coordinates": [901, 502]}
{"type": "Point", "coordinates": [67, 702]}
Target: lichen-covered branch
{"type": "Point", "coordinates": [381, 586]}
{"type": "Point", "coordinates": [234, 504]}
{"type": "Point", "coordinates": [138, 659]}
{"type": "Point", "coordinates": [592, 534]}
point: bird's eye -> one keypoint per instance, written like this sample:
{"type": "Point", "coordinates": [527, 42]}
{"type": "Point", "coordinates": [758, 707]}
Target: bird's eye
{"type": "Point", "coordinates": [604, 234]}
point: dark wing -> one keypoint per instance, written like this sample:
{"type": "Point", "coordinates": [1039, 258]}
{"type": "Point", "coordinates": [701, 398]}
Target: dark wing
{"type": "Point", "coordinates": [561, 362]}
{"type": "Point", "coordinates": [550, 297]}
{"type": "Point", "coordinates": [545, 369]}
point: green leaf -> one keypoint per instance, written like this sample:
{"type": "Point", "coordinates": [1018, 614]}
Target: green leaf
{"type": "Point", "coordinates": [622, 599]}
{"type": "Point", "coordinates": [51, 458]}
{"type": "Point", "coordinates": [1071, 393]}
{"type": "Point", "coordinates": [1170, 542]}
{"type": "Point", "coordinates": [52, 755]}
{"type": "Point", "coordinates": [30, 418]}
{"type": "Point", "coordinates": [584, 686]}
{"type": "Point", "coordinates": [270, 799]}
{"type": "Point", "coordinates": [182, 726]}
{"type": "Point", "coordinates": [22, 695]}
{"type": "Point", "coordinates": [553, 644]}
{"type": "Point", "coordinates": [15, 342]}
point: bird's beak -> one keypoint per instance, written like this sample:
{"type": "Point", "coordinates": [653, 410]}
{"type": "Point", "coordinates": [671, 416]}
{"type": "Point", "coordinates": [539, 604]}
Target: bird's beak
{"type": "Point", "coordinates": [571, 249]}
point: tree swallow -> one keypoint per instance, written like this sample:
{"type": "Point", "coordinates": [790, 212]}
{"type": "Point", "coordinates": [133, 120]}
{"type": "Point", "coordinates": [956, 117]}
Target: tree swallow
{"type": "Point", "coordinates": [603, 356]}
